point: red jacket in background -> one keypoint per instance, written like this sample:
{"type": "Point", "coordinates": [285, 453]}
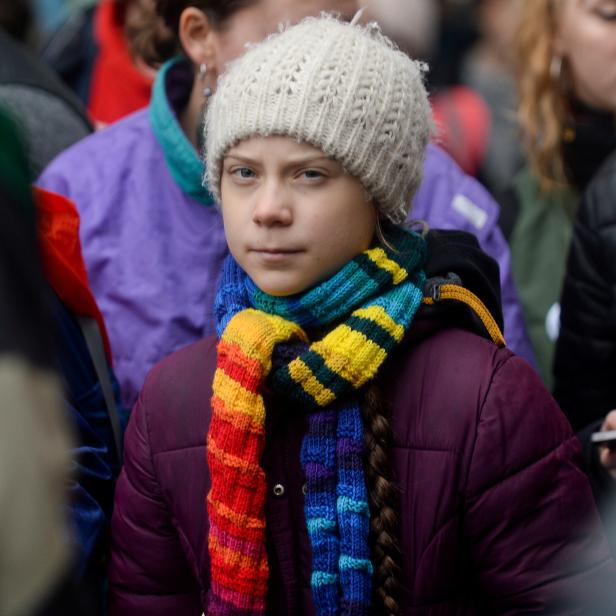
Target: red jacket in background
{"type": "Point", "coordinates": [65, 269]}
{"type": "Point", "coordinates": [118, 87]}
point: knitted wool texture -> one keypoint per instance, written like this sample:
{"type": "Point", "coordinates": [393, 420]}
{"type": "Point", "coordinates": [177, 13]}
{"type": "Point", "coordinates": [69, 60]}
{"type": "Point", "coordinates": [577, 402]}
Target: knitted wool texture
{"type": "Point", "coordinates": [373, 299]}
{"type": "Point", "coordinates": [342, 88]}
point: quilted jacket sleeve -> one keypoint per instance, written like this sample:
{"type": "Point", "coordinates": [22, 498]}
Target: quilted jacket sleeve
{"type": "Point", "coordinates": [531, 523]}
{"type": "Point", "coordinates": [149, 573]}
{"type": "Point", "coordinates": [585, 357]}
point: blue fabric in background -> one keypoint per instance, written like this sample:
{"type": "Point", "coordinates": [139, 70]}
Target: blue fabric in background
{"type": "Point", "coordinates": [95, 460]}
{"type": "Point", "coordinates": [49, 14]}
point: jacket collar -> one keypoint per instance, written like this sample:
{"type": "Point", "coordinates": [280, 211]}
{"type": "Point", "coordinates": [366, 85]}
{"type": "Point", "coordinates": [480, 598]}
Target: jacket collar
{"type": "Point", "coordinates": [170, 92]}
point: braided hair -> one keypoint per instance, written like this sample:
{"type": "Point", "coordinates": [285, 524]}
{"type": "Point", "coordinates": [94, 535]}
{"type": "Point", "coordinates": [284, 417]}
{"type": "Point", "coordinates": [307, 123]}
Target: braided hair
{"type": "Point", "coordinates": [384, 504]}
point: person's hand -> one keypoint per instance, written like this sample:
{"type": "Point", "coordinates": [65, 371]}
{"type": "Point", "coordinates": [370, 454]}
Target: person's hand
{"type": "Point", "coordinates": [607, 456]}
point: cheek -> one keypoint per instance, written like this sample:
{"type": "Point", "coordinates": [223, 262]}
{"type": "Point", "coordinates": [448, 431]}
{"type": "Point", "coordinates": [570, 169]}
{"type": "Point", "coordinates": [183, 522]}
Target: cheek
{"type": "Point", "coordinates": [345, 232]}
{"type": "Point", "coordinates": [593, 67]}
{"type": "Point", "coordinates": [232, 222]}
{"type": "Point", "coordinates": [233, 43]}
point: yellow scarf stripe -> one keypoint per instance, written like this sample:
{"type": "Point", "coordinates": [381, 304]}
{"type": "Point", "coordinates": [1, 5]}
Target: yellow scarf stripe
{"type": "Point", "coordinates": [257, 333]}
{"type": "Point", "coordinates": [229, 416]}
{"type": "Point", "coordinates": [302, 374]}
{"type": "Point", "coordinates": [236, 397]}
{"type": "Point", "coordinates": [380, 317]}
{"type": "Point", "coordinates": [351, 355]}
{"type": "Point", "coordinates": [379, 257]}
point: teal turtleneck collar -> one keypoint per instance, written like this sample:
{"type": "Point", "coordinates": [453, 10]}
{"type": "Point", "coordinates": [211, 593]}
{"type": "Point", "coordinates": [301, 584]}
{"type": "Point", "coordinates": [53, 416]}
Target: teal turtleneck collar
{"type": "Point", "coordinates": [182, 160]}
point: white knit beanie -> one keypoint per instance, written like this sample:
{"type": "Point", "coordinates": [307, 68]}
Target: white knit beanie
{"type": "Point", "coordinates": [340, 87]}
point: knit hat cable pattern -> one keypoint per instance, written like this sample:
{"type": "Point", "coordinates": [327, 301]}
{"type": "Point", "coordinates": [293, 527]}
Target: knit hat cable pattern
{"type": "Point", "coordinates": [372, 300]}
{"type": "Point", "coordinates": [340, 87]}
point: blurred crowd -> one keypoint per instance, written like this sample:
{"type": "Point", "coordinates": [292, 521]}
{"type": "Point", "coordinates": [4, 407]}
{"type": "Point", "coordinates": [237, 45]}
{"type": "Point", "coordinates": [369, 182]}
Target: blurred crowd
{"type": "Point", "coordinates": [101, 115]}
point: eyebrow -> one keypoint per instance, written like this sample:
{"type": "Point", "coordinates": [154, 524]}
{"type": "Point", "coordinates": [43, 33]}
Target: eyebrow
{"type": "Point", "coordinates": [289, 163]}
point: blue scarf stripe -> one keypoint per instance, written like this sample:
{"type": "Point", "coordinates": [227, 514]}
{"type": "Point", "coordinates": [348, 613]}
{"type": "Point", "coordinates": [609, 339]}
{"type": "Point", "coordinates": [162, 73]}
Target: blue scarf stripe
{"type": "Point", "coordinates": [320, 504]}
{"type": "Point", "coordinates": [352, 505]}
{"type": "Point", "coordinates": [350, 289]}
{"type": "Point", "coordinates": [358, 564]}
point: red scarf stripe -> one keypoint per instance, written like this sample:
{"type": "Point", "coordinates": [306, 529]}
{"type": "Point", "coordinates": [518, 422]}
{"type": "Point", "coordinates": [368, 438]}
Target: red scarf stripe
{"type": "Point", "coordinates": [245, 370]}
{"type": "Point", "coordinates": [233, 418]}
{"type": "Point", "coordinates": [236, 440]}
{"type": "Point", "coordinates": [228, 525]}
{"type": "Point", "coordinates": [225, 515]}
{"type": "Point", "coordinates": [219, 460]}
{"type": "Point", "coordinates": [255, 606]}
{"type": "Point", "coordinates": [229, 433]}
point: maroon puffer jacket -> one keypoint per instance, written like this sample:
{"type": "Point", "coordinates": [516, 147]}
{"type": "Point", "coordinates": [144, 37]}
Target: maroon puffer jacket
{"type": "Point", "coordinates": [496, 516]}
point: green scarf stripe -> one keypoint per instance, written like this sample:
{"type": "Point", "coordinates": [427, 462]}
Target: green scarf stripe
{"type": "Point", "coordinates": [284, 384]}
{"type": "Point", "coordinates": [325, 375]}
{"type": "Point", "coordinates": [410, 248]}
{"type": "Point", "coordinates": [373, 331]}
{"type": "Point", "coordinates": [372, 271]}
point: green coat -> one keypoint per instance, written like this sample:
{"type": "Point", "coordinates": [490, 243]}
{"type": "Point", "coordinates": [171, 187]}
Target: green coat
{"type": "Point", "coordinates": [539, 243]}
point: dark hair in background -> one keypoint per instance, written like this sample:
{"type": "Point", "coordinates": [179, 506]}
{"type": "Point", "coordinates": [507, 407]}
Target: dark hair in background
{"type": "Point", "coordinates": [152, 31]}
{"type": "Point", "coordinates": [16, 18]}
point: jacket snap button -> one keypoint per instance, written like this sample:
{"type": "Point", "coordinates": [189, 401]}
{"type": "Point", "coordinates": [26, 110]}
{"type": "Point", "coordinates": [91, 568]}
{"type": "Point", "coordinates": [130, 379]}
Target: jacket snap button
{"type": "Point", "coordinates": [305, 489]}
{"type": "Point", "coordinates": [278, 489]}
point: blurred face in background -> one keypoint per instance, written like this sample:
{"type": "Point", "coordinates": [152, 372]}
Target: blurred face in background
{"type": "Point", "coordinates": [413, 24]}
{"type": "Point", "coordinates": [586, 40]}
{"type": "Point", "coordinates": [253, 23]}
{"type": "Point", "coordinates": [498, 24]}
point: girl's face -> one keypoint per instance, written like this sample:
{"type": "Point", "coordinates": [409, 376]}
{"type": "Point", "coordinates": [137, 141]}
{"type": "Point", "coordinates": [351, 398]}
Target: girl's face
{"type": "Point", "coordinates": [253, 23]}
{"type": "Point", "coordinates": [292, 216]}
{"type": "Point", "coordinates": [586, 39]}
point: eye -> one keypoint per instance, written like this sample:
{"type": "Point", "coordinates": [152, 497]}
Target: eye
{"type": "Point", "coordinates": [606, 11]}
{"type": "Point", "coordinates": [311, 176]}
{"type": "Point", "coordinates": [606, 15]}
{"type": "Point", "coordinates": [244, 173]}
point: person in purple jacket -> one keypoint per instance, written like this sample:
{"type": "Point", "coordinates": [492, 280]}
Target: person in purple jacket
{"type": "Point", "coordinates": [152, 237]}
{"type": "Point", "coordinates": [367, 452]}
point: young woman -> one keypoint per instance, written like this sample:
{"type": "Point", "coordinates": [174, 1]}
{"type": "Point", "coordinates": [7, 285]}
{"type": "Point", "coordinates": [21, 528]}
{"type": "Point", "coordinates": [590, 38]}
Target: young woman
{"type": "Point", "coordinates": [567, 88]}
{"type": "Point", "coordinates": [152, 240]}
{"type": "Point", "coordinates": [363, 455]}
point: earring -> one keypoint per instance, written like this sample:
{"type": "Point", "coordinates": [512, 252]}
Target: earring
{"type": "Point", "coordinates": [207, 91]}
{"type": "Point", "coordinates": [556, 67]}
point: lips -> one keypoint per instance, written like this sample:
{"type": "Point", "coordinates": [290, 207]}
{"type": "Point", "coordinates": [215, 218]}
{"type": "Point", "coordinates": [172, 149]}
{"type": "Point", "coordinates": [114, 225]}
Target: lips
{"type": "Point", "coordinates": [275, 254]}
{"type": "Point", "coordinates": [276, 250]}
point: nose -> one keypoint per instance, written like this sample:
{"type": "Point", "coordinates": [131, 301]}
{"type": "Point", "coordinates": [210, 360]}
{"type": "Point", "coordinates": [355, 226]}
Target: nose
{"type": "Point", "coordinates": [273, 206]}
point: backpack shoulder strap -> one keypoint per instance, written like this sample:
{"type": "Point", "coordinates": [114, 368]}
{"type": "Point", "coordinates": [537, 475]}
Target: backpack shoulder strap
{"type": "Point", "coordinates": [94, 341]}
{"type": "Point", "coordinates": [450, 289]}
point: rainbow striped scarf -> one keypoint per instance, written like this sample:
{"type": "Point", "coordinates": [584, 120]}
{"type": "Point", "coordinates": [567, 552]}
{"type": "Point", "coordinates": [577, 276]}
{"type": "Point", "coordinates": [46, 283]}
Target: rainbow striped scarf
{"type": "Point", "coordinates": [371, 301]}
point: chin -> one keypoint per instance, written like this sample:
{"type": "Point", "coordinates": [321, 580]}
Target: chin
{"type": "Point", "coordinates": [280, 288]}
{"type": "Point", "coordinates": [277, 291]}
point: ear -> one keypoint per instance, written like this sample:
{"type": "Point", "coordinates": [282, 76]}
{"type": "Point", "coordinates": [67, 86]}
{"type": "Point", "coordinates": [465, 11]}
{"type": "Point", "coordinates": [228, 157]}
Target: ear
{"type": "Point", "coordinates": [196, 35]}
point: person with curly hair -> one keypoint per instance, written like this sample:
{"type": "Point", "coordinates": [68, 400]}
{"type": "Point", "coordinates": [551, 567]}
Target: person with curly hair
{"type": "Point", "coordinates": [567, 109]}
